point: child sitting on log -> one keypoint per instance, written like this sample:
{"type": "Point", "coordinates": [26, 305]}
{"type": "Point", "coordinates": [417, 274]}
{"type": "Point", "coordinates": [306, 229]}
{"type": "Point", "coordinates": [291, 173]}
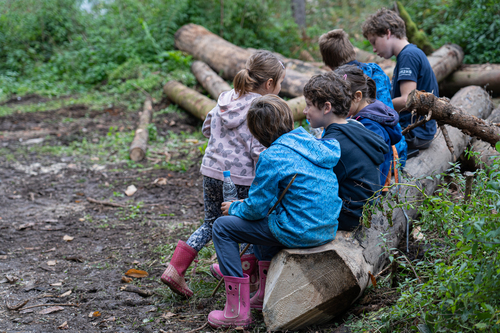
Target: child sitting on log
{"type": "Point", "coordinates": [231, 147]}
{"type": "Point", "coordinates": [375, 116]}
{"type": "Point", "coordinates": [306, 216]}
{"type": "Point", "coordinates": [328, 102]}
{"type": "Point", "coordinates": [337, 50]}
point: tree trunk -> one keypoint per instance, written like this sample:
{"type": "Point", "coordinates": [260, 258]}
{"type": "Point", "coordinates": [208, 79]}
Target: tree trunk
{"type": "Point", "coordinates": [188, 99]}
{"type": "Point", "coordinates": [140, 142]}
{"type": "Point", "coordinates": [311, 286]}
{"type": "Point", "coordinates": [299, 12]}
{"type": "Point", "coordinates": [485, 150]}
{"type": "Point", "coordinates": [226, 58]}
{"type": "Point", "coordinates": [297, 105]}
{"type": "Point", "coordinates": [212, 82]}
{"type": "Point", "coordinates": [446, 60]}
{"type": "Point", "coordinates": [453, 113]}
{"type": "Point", "coordinates": [414, 35]}
{"type": "Point", "coordinates": [484, 75]}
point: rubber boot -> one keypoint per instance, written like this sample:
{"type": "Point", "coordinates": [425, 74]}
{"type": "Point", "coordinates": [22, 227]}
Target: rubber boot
{"type": "Point", "coordinates": [237, 309]}
{"type": "Point", "coordinates": [174, 274]}
{"type": "Point", "coordinates": [249, 265]}
{"type": "Point", "coordinates": [258, 299]}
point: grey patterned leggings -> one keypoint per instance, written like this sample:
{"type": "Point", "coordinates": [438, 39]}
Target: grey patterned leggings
{"type": "Point", "coordinates": [212, 196]}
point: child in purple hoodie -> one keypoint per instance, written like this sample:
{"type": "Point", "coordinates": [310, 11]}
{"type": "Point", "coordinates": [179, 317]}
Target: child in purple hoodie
{"type": "Point", "coordinates": [231, 147]}
{"type": "Point", "coordinates": [373, 114]}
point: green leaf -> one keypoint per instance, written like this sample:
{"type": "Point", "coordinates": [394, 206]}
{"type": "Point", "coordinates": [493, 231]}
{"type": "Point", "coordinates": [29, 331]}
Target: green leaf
{"type": "Point", "coordinates": [497, 146]}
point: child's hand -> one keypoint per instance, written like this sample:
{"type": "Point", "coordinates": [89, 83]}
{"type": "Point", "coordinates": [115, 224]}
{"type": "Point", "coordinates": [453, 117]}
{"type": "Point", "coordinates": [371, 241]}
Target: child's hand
{"type": "Point", "coordinates": [225, 208]}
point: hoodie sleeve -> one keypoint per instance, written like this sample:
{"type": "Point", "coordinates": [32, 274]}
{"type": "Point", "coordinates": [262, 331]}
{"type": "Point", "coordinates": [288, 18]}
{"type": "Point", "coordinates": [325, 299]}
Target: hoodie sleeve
{"type": "Point", "coordinates": [262, 194]}
{"type": "Point", "coordinates": [256, 149]}
{"type": "Point", "coordinates": [205, 129]}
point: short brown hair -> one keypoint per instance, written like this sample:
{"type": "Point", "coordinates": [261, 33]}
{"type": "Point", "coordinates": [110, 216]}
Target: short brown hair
{"type": "Point", "coordinates": [329, 87]}
{"type": "Point", "coordinates": [359, 81]}
{"type": "Point", "coordinates": [268, 118]}
{"type": "Point", "coordinates": [384, 19]}
{"type": "Point", "coordinates": [260, 67]}
{"type": "Point", "coordinates": [336, 48]}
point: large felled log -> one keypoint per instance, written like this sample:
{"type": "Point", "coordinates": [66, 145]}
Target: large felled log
{"type": "Point", "coordinates": [226, 58]}
{"type": "Point", "coordinates": [139, 144]}
{"type": "Point", "coordinates": [485, 75]}
{"type": "Point", "coordinates": [297, 105]}
{"type": "Point", "coordinates": [446, 60]}
{"type": "Point", "coordinates": [486, 152]}
{"type": "Point", "coordinates": [311, 286]}
{"type": "Point", "coordinates": [447, 113]}
{"type": "Point", "coordinates": [188, 99]}
{"type": "Point", "coordinates": [212, 82]}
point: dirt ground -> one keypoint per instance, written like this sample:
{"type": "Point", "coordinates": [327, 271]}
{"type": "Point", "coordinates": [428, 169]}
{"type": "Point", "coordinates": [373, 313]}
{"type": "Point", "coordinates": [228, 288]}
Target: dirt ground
{"type": "Point", "coordinates": [61, 251]}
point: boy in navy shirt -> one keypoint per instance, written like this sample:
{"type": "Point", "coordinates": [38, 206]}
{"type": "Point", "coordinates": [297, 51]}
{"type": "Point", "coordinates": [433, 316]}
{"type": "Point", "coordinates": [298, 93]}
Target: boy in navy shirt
{"type": "Point", "coordinates": [386, 32]}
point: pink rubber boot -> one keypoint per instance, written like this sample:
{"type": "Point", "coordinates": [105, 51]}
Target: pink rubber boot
{"type": "Point", "coordinates": [249, 265]}
{"type": "Point", "coordinates": [237, 309]}
{"type": "Point", "coordinates": [174, 274]}
{"type": "Point", "coordinates": [258, 299]}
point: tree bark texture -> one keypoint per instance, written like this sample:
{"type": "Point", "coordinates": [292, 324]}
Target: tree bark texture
{"type": "Point", "coordinates": [299, 12]}
{"type": "Point", "coordinates": [452, 113]}
{"type": "Point", "coordinates": [188, 99]}
{"type": "Point", "coordinates": [140, 143]}
{"type": "Point", "coordinates": [226, 58]}
{"type": "Point", "coordinates": [484, 75]}
{"type": "Point", "coordinates": [311, 286]}
{"type": "Point", "coordinates": [297, 105]}
{"type": "Point", "coordinates": [212, 82]}
{"type": "Point", "coordinates": [446, 60]}
{"type": "Point", "coordinates": [486, 151]}
{"type": "Point", "coordinates": [414, 35]}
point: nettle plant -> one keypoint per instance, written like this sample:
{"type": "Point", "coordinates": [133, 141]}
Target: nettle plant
{"type": "Point", "coordinates": [458, 289]}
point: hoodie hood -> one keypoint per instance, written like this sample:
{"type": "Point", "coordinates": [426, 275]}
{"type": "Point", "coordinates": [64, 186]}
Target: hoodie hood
{"type": "Point", "coordinates": [233, 108]}
{"type": "Point", "coordinates": [381, 113]}
{"type": "Point", "coordinates": [370, 143]}
{"type": "Point", "coordinates": [323, 153]}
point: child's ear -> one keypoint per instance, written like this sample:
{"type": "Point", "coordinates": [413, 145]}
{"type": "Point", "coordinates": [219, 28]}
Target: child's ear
{"type": "Point", "coordinates": [269, 84]}
{"type": "Point", "coordinates": [358, 96]}
{"type": "Point", "coordinates": [327, 108]}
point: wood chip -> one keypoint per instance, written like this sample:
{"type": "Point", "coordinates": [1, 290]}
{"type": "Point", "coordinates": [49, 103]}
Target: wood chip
{"type": "Point", "coordinates": [130, 190]}
{"type": "Point", "coordinates": [66, 294]}
{"type": "Point", "coordinates": [63, 326]}
{"type": "Point", "coordinates": [51, 309]}
{"type": "Point", "coordinates": [51, 263]}
{"type": "Point", "coordinates": [68, 238]}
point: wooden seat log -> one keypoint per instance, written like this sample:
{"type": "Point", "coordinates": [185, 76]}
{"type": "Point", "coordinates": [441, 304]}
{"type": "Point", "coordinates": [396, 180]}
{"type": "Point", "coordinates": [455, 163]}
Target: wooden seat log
{"type": "Point", "coordinates": [484, 75]}
{"type": "Point", "coordinates": [190, 100]}
{"type": "Point", "coordinates": [311, 286]}
{"type": "Point", "coordinates": [139, 145]}
{"type": "Point", "coordinates": [486, 151]}
{"type": "Point", "coordinates": [213, 83]}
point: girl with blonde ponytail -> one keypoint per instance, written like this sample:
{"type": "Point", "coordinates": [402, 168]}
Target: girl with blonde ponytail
{"type": "Point", "coordinates": [231, 147]}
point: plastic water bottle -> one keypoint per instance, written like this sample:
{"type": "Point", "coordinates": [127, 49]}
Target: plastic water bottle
{"type": "Point", "coordinates": [229, 191]}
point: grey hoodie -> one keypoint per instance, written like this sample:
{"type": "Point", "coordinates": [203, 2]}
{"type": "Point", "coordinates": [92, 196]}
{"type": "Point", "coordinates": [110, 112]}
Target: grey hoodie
{"type": "Point", "coordinates": [231, 146]}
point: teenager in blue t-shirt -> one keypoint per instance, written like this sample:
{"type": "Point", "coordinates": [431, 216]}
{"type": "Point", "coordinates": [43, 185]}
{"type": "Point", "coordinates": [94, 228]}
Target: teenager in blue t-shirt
{"type": "Point", "coordinates": [387, 34]}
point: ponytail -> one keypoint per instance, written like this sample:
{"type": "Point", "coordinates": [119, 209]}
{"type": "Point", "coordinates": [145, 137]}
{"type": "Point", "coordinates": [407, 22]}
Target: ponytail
{"type": "Point", "coordinates": [372, 87]}
{"type": "Point", "coordinates": [260, 67]}
{"type": "Point", "coordinates": [359, 81]}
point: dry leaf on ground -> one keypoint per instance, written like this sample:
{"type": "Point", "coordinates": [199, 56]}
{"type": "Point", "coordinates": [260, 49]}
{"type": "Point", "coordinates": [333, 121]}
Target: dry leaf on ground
{"type": "Point", "coordinates": [51, 262]}
{"type": "Point", "coordinates": [63, 326]}
{"type": "Point", "coordinates": [68, 238]}
{"type": "Point", "coordinates": [130, 190]}
{"type": "Point", "coordinates": [57, 284]}
{"type": "Point", "coordinates": [160, 181]}
{"type": "Point", "coordinates": [66, 294]}
{"type": "Point", "coordinates": [168, 315]}
{"type": "Point", "coordinates": [136, 273]}
{"type": "Point", "coordinates": [51, 309]}
{"type": "Point", "coordinates": [126, 279]}
{"type": "Point", "coordinates": [94, 314]}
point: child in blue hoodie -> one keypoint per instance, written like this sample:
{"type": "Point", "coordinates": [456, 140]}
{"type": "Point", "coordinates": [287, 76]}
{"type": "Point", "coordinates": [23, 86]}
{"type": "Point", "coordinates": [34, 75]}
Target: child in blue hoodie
{"type": "Point", "coordinates": [374, 115]}
{"type": "Point", "coordinates": [306, 216]}
{"type": "Point", "coordinates": [328, 101]}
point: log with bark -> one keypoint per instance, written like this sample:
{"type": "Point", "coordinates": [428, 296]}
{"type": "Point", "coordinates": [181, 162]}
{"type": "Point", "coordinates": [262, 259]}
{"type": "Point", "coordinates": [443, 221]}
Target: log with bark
{"type": "Point", "coordinates": [485, 75]}
{"type": "Point", "coordinates": [311, 286]}
{"type": "Point", "coordinates": [442, 111]}
{"type": "Point", "coordinates": [446, 60]}
{"type": "Point", "coordinates": [414, 35]}
{"type": "Point", "coordinates": [226, 58]}
{"type": "Point", "coordinates": [140, 143]}
{"type": "Point", "coordinates": [212, 82]}
{"type": "Point", "coordinates": [188, 99]}
{"type": "Point", "coordinates": [486, 152]}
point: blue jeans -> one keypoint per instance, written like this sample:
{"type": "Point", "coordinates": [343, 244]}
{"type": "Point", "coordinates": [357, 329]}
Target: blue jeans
{"type": "Point", "coordinates": [228, 231]}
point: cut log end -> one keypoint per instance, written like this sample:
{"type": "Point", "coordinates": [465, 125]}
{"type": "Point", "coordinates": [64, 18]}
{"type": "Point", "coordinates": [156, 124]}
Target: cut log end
{"type": "Point", "coordinates": [137, 154]}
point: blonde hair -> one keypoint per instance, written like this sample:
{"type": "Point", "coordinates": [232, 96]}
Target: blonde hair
{"type": "Point", "coordinates": [260, 67]}
{"type": "Point", "coordinates": [336, 48]}
{"type": "Point", "coordinates": [268, 118]}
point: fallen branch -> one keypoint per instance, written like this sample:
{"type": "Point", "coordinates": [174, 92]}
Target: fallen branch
{"type": "Point", "coordinates": [52, 304]}
{"type": "Point", "coordinates": [447, 138]}
{"type": "Point", "coordinates": [105, 203]}
{"type": "Point", "coordinates": [140, 143]}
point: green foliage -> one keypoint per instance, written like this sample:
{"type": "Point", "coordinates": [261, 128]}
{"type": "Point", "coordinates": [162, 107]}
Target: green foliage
{"type": "Point", "coordinates": [472, 24]}
{"type": "Point", "coordinates": [459, 291]}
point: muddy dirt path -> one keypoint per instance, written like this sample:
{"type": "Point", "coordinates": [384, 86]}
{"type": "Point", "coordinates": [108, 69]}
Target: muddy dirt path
{"type": "Point", "coordinates": [62, 253]}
